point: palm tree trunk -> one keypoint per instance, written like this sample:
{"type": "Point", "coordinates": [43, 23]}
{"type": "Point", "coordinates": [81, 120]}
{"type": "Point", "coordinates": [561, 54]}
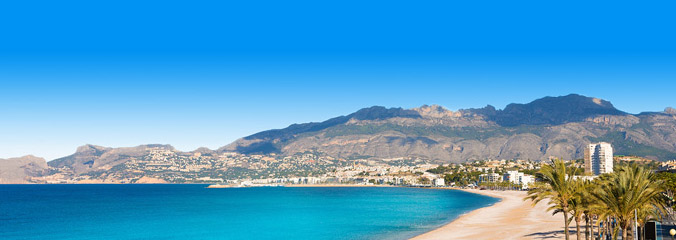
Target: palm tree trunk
{"type": "Point", "coordinates": [591, 233]}
{"type": "Point", "coordinates": [605, 230]}
{"type": "Point", "coordinates": [625, 232]}
{"type": "Point", "coordinates": [566, 223]}
{"type": "Point", "coordinates": [577, 228]}
{"type": "Point", "coordinates": [591, 228]}
{"type": "Point", "coordinates": [586, 227]}
{"type": "Point", "coordinates": [611, 232]}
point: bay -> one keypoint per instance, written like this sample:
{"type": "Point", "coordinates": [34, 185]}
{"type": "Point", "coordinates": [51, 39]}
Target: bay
{"type": "Point", "coordinates": [191, 211]}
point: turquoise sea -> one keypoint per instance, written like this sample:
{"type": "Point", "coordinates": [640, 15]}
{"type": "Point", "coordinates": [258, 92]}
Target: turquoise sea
{"type": "Point", "coordinates": [195, 212]}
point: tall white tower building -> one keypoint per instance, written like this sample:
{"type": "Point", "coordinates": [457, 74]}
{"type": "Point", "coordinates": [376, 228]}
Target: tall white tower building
{"type": "Point", "coordinates": [598, 158]}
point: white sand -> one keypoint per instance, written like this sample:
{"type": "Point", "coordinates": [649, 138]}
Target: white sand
{"type": "Point", "coordinates": [511, 218]}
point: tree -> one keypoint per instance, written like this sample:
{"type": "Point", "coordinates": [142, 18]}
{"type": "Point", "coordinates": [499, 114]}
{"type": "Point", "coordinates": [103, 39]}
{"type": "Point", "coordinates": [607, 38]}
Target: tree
{"type": "Point", "coordinates": [448, 178]}
{"type": "Point", "coordinates": [630, 188]}
{"type": "Point", "coordinates": [440, 169]}
{"type": "Point", "coordinates": [424, 180]}
{"type": "Point", "coordinates": [557, 187]}
{"type": "Point", "coordinates": [577, 207]}
{"type": "Point", "coordinates": [581, 205]}
{"type": "Point", "coordinates": [669, 180]}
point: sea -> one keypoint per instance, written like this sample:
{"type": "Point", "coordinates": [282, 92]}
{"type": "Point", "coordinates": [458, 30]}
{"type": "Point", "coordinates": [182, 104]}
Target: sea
{"type": "Point", "coordinates": [192, 211]}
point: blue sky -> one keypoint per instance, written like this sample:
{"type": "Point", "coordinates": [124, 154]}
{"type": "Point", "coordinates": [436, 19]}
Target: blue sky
{"type": "Point", "coordinates": [204, 73]}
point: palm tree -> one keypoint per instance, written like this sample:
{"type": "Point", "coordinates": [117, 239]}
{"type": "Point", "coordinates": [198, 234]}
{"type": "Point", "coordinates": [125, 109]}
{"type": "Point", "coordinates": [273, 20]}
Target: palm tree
{"type": "Point", "coordinates": [581, 205]}
{"type": "Point", "coordinates": [557, 187]}
{"type": "Point", "coordinates": [631, 188]}
{"type": "Point", "coordinates": [598, 208]}
{"type": "Point", "coordinates": [648, 214]}
{"type": "Point", "coordinates": [576, 210]}
{"type": "Point", "coordinates": [601, 216]}
{"type": "Point", "coordinates": [590, 210]}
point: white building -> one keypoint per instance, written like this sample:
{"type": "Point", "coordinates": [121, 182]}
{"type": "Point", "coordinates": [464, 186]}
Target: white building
{"type": "Point", "coordinates": [512, 176]}
{"type": "Point", "coordinates": [598, 158]}
{"type": "Point", "coordinates": [517, 177]}
{"type": "Point", "coordinates": [527, 180]}
{"type": "Point", "coordinates": [438, 182]}
{"type": "Point", "coordinates": [490, 177]}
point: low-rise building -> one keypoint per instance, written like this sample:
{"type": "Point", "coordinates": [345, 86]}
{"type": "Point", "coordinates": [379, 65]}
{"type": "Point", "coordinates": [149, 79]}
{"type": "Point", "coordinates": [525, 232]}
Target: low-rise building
{"type": "Point", "coordinates": [527, 180]}
{"type": "Point", "coordinates": [490, 177]}
{"type": "Point", "coordinates": [512, 176]}
{"type": "Point", "coordinates": [517, 177]}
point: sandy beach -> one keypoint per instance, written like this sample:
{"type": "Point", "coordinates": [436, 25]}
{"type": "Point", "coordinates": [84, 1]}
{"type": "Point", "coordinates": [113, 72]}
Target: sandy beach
{"type": "Point", "coordinates": [511, 218]}
{"type": "Point", "coordinates": [335, 185]}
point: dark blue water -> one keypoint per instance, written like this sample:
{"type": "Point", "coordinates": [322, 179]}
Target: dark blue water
{"type": "Point", "coordinates": [194, 212]}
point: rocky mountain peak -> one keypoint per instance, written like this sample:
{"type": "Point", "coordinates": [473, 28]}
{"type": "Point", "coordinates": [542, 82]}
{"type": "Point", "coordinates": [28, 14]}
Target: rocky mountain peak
{"type": "Point", "coordinates": [670, 110]}
{"type": "Point", "coordinates": [555, 110]}
{"type": "Point", "coordinates": [89, 148]}
{"type": "Point", "coordinates": [161, 146]}
{"type": "Point", "coordinates": [434, 111]}
{"type": "Point", "coordinates": [380, 113]}
{"type": "Point", "coordinates": [203, 150]}
{"type": "Point", "coordinates": [26, 158]}
{"type": "Point", "coordinates": [487, 111]}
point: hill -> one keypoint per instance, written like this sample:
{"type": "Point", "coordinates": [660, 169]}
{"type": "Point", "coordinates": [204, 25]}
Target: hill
{"type": "Point", "coordinates": [90, 158]}
{"type": "Point", "coordinates": [18, 170]}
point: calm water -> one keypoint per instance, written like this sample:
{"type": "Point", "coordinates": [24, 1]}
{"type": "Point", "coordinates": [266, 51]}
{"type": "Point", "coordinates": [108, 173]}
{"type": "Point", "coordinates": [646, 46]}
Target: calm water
{"type": "Point", "coordinates": [194, 212]}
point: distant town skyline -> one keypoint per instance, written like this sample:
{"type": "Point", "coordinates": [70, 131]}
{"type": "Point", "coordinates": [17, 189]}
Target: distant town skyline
{"type": "Point", "coordinates": [71, 74]}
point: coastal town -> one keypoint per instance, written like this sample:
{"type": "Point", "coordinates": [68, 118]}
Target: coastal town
{"type": "Point", "coordinates": [162, 165]}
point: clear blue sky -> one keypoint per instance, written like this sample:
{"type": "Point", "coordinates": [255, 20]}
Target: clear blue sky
{"type": "Point", "coordinates": [204, 73]}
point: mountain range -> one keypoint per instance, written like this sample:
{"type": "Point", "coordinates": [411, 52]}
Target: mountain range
{"type": "Point", "coordinates": [547, 127]}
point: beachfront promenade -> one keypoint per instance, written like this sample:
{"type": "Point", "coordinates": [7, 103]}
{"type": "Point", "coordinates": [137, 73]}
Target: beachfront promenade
{"type": "Point", "coordinates": [511, 218]}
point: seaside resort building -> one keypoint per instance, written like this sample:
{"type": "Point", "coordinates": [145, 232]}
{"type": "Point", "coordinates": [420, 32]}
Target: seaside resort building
{"type": "Point", "coordinates": [490, 177]}
{"type": "Point", "coordinates": [517, 177]}
{"type": "Point", "coordinates": [598, 158]}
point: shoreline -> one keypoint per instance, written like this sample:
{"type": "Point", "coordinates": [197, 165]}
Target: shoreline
{"type": "Point", "coordinates": [301, 186]}
{"type": "Point", "coordinates": [510, 218]}
{"type": "Point", "coordinates": [336, 185]}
